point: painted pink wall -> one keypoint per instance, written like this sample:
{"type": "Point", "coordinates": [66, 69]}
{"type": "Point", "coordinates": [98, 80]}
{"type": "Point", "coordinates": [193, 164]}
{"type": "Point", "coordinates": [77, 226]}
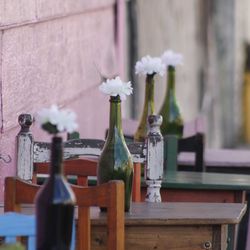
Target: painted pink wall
{"type": "Point", "coordinates": [49, 54]}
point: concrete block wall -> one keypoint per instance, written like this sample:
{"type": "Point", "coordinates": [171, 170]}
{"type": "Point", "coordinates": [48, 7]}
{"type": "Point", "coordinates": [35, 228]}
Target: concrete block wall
{"type": "Point", "coordinates": [50, 51]}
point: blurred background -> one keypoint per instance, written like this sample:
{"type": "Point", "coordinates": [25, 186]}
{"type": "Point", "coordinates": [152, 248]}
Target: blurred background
{"type": "Point", "coordinates": [53, 52]}
{"type": "Point", "coordinates": [212, 35]}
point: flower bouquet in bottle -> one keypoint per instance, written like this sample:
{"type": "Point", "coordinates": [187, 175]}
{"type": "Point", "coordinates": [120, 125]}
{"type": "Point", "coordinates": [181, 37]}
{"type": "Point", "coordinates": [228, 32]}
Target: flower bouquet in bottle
{"type": "Point", "coordinates": [148, 66]}
{"type": "Point", "coordinates": [55, 200]}
{"type": "Point", "coordinates": [170, 112]}
{"type": "Point", "coordinates": [115, 162]}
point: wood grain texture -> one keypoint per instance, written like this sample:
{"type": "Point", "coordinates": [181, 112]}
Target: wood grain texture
{"type": "Point", "coordinates": [160, 238]}
{"type": "Point", "coordinates": [172, 225]}
{"type": "Point", "coordinates": [175, 226]}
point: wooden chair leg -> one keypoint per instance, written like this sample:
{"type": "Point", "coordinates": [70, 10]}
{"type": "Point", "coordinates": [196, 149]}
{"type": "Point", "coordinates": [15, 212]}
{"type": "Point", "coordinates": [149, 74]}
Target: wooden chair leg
{"type": "Point", "coordinates": [82, 181]}
{"type": "Point", "coordinates": [83, 228]}
{"type": "Point", "coordinates": [136, 191]}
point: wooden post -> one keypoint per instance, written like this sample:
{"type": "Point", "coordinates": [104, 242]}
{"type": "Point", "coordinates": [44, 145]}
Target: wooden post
{"type": "Point", "coordinates": [24, 148]}
{"type": "Point", "coordinates": [154, 159]}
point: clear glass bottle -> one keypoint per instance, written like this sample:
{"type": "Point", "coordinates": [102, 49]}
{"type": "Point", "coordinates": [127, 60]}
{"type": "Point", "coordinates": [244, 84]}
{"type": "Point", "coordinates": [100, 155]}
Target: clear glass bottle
{"type": "Point", "coordinates": [55, 205]}
{"type": "Point", "coordinates": [115, 162]}
{"type": "Point", "coordinates": [148, 109]}
{"type": "Point", "coordinates": [170, 112]}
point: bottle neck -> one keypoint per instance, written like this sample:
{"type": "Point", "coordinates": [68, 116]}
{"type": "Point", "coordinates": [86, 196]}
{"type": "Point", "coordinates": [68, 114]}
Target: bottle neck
{"type": "Point", "coordinates": [115, 125]}
{"type": "Point", "coordinates": [56, 157]}
{"type": "Point", "coordinates": [171, 79]}
{"type": "Point", "coordinates": [149, 107]}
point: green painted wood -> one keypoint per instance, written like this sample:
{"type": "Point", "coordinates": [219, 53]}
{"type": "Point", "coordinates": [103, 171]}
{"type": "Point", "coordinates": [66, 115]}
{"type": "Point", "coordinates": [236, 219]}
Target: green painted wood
{"type": "Point", "coordinates": [203, 180]}
{"type": "Point", "coordinates": [170, 153]}
{"type": "Point", "coordinates": [198, 180]}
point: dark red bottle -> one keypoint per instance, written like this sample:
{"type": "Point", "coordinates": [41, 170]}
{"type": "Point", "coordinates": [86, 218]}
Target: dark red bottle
{"type": "Point", "coordinates": [55, 206]}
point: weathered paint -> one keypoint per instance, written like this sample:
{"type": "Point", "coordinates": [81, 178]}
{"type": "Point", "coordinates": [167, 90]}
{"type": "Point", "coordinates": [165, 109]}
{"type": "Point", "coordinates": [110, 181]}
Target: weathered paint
{"type": "Point", "coordinates": [150, 152]}
{"type": "Point", "coordinates": [153, 191]}
{"type": "Point", "coordinates": [30, 151]}
{"type": "Point", "coordinates": [155, 149]}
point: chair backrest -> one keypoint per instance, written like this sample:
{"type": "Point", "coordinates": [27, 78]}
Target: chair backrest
{"type": "Point", "coordinates": [14, 225]}
{"type": "Point", "coordinates": [30, 152]}
{"type": "Point", "coordinates": [82, 168]}
{"type": "Point", "coordinates": [193, 140]}
{"type": "Point", "coordinates": [194, 144]}
{"type": "Point", "coordinates": [109, 195]}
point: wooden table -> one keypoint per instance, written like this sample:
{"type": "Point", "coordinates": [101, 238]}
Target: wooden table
{"type": "Point", "coordinates": [186, 226]}
{"type": "Point", "coordinates": [183, 186]}
{"type": "Point", "coordinates": [216, 160]}
{"type": "Point", "coordinates": [206, 187]}
{"type": "Point", "coordinates": [203, 187]}
{"type": "Point", "coordinates": [161, 226]}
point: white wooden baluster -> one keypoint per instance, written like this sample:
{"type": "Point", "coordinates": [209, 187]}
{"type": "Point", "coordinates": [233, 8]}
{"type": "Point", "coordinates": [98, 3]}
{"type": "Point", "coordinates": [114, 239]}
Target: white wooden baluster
{"type": "Point", "coordinates": [24, 148]}
{"type": "Point", "coordinates": [154, 160]}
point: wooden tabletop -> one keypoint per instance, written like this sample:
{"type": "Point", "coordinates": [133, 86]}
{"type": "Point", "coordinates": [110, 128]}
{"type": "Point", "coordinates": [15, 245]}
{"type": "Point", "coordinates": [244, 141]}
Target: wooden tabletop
{"type": "Point", "coordinates": [204, 180]}
{"type": "Point", "coordinates": [170, 213]}
{"type": "Point", "coordinates": [183, 213]}
{"type": "Point", "coordinates": [201, 180]}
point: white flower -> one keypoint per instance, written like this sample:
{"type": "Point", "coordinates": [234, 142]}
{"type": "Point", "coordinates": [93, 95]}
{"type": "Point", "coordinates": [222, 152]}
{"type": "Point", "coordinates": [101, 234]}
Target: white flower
{"type": "Point", "coordinates": [54, 120]}
{"type": "Point", "coordinates": [114, 87]}
{"type": "Point", "coordinates": [150, 65]}
{"type": "Point", "coordinates": [171, 58]}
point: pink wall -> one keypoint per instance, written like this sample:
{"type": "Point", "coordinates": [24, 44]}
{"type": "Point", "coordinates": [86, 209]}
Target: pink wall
{"type": "Point", "coordinates": [48, 55]}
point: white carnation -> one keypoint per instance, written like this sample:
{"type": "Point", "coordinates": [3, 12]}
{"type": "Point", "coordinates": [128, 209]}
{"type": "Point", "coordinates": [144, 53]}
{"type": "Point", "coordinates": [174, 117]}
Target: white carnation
{"type": "Point", "coordinates": [63, 120]}
{"type": "Point", "coordinates": [114, 87]}
{"type": "Point", "coordinates": [170, 58]}
{"type": "Point", "coordinates": [150, 65]}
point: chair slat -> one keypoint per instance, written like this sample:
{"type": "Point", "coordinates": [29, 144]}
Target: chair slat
{"type": "Point", "coordinates": [13, 225]}
{"type": "Point", "coordinates": [32, 243]}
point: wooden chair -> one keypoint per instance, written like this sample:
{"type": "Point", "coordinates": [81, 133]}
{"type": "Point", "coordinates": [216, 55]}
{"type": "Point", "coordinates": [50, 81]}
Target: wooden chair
{"type": "Point", "coordinates": [82, 168]}
{"type": "Point", "coordinates": [13, 225]}
{"type": "Point", "coordinates": [149, 152]}
{"type": "Point", "coordinates": [109, 195]}
{"type": "Point", "coordinates": [193, 140]}
{"type": "Point", "coordinates": [33, 157]}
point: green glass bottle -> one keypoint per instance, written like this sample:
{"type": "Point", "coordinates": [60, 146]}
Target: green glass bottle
{"type": "Point", "coordinates": [170, 112]}
{"type": "Point", "coordinates": [115, 162]}
{"type": "Point", "coordinates": [148, 109]}
{"type": "Point", "coordinates": [55, 203]}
